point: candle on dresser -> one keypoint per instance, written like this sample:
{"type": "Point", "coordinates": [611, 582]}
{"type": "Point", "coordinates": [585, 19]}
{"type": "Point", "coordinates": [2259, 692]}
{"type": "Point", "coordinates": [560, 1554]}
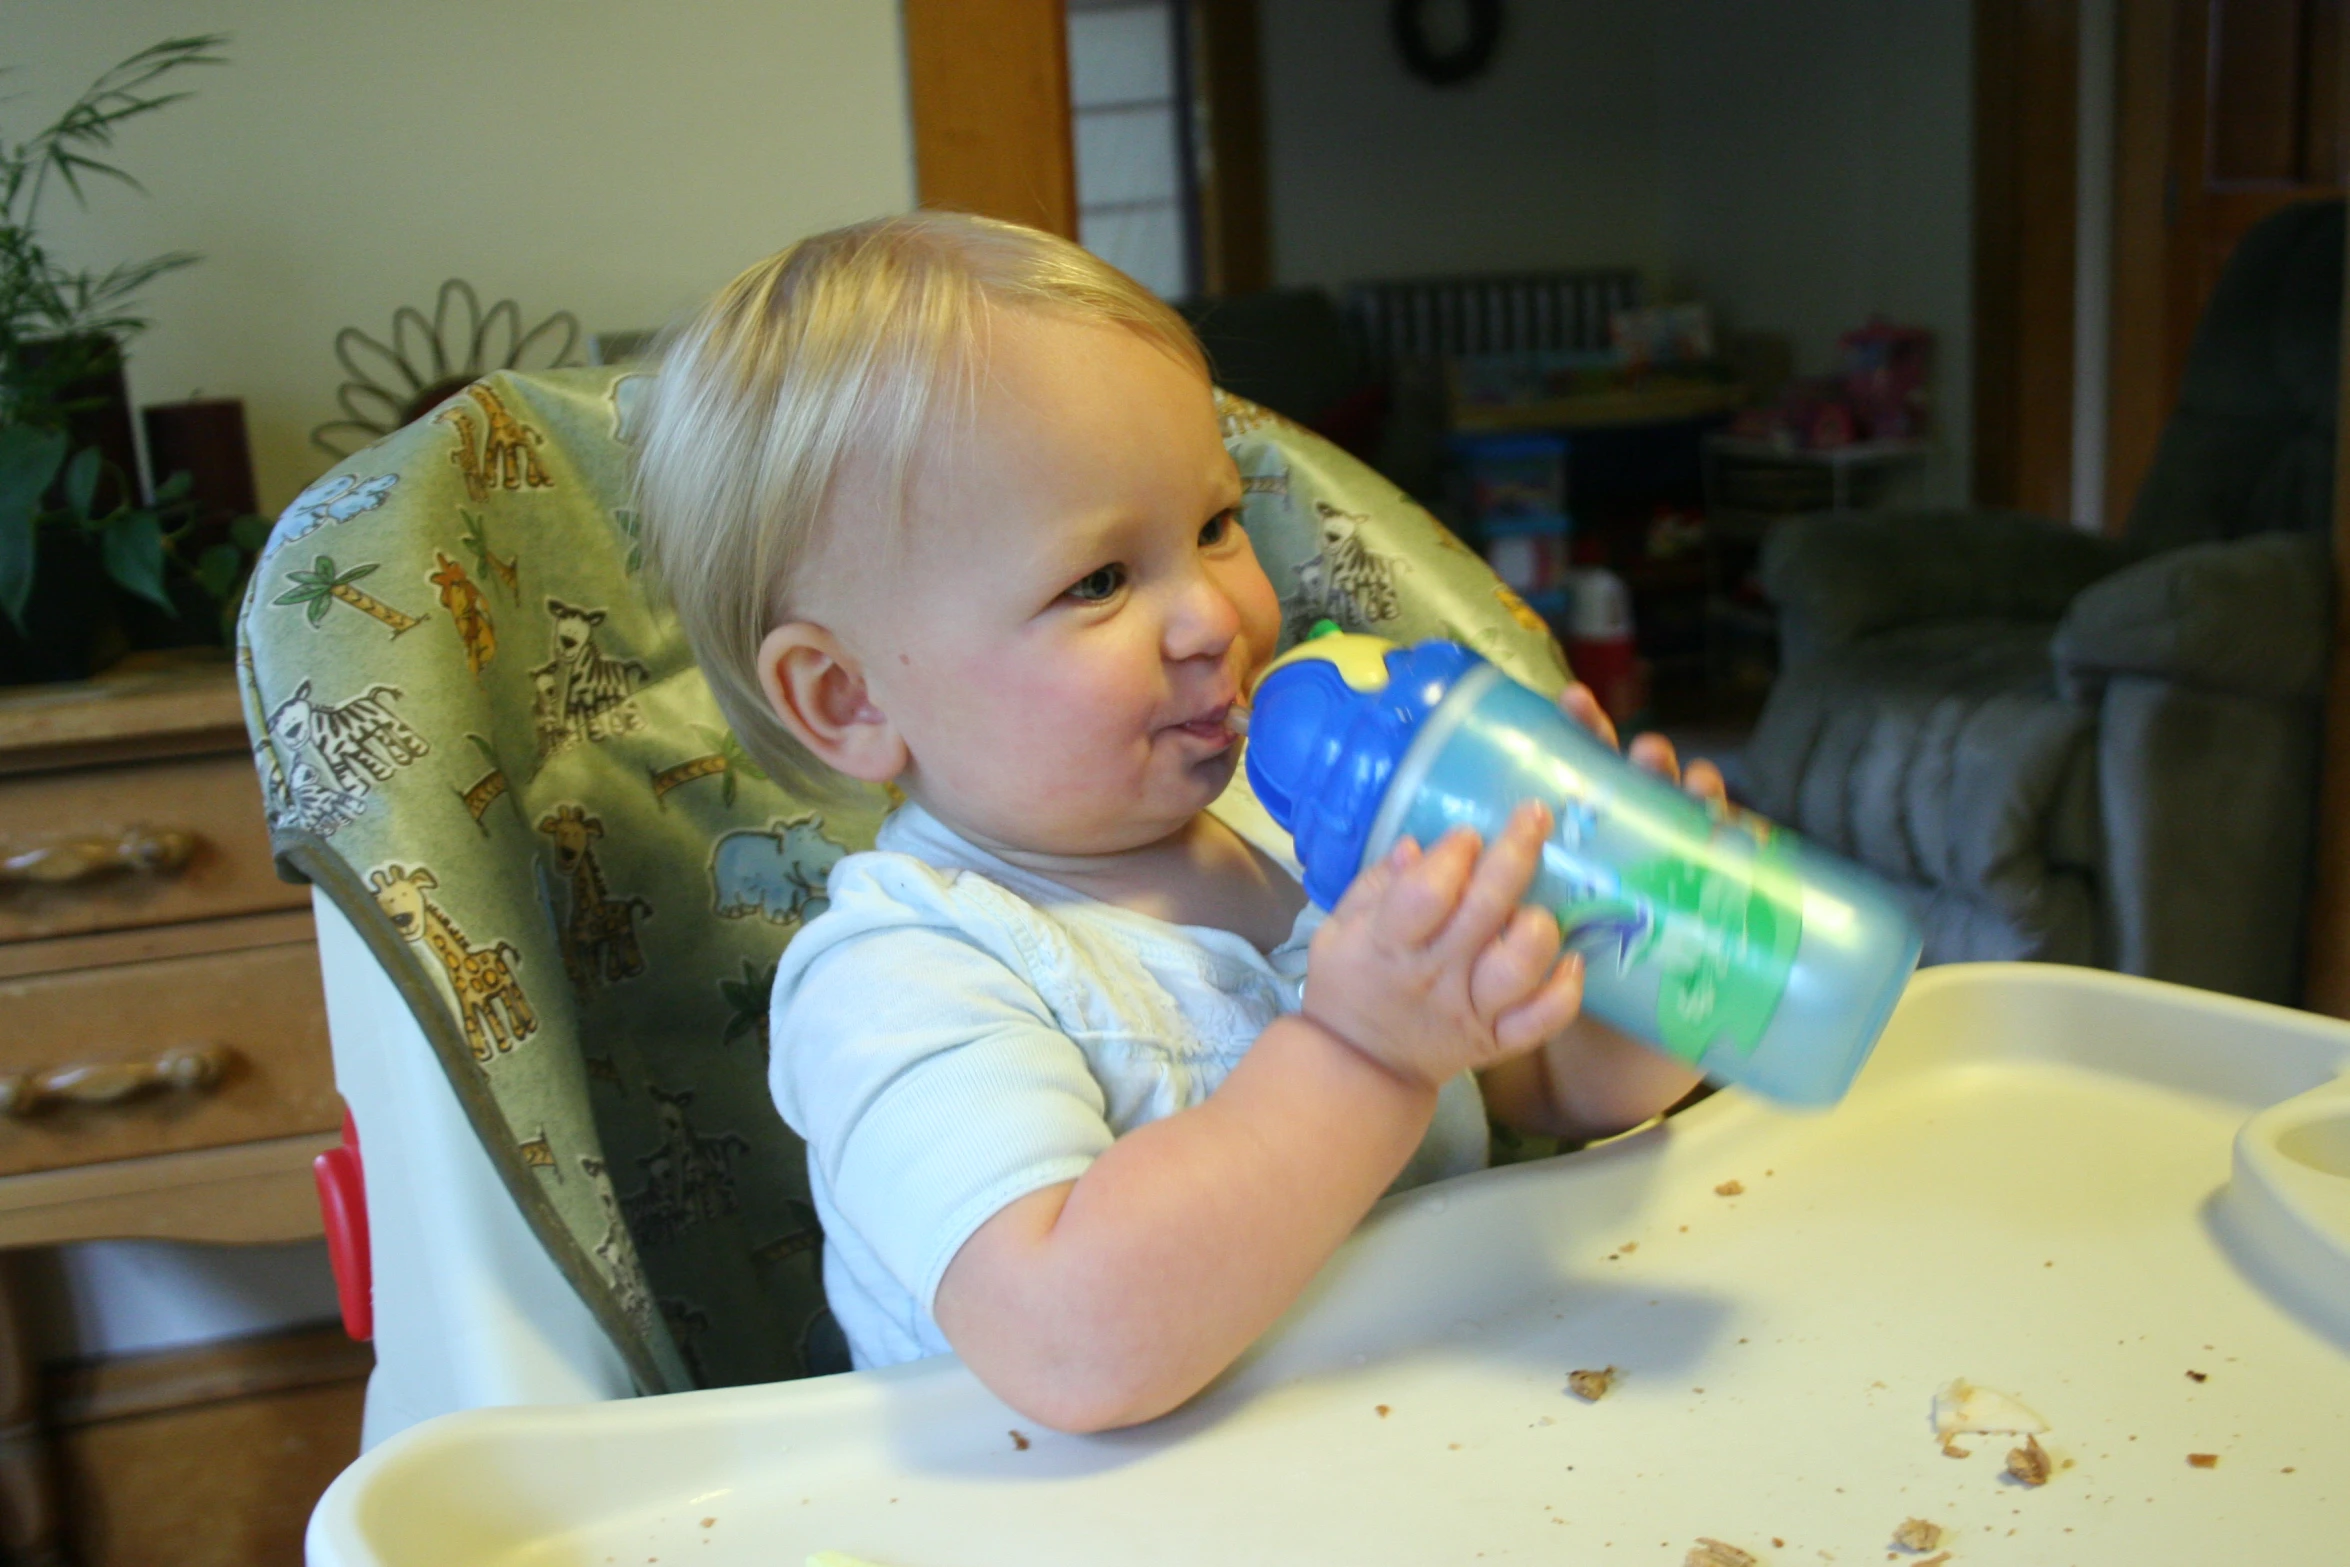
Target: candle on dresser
{"type": "Point", "coordinates": [205, 438]}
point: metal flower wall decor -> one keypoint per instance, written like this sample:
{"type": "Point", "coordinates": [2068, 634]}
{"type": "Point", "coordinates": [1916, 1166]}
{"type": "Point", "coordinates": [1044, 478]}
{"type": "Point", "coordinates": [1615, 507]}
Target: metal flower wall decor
{"type": "Point", "coordinates": [429, 360]}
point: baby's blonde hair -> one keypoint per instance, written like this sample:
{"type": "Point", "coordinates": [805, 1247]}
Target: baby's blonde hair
{"type": "Point", "coordinates": [850, 347]}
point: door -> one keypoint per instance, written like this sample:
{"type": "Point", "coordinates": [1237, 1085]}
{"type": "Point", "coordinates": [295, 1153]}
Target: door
{"type": "Point", "coordinates": [2226, 111]}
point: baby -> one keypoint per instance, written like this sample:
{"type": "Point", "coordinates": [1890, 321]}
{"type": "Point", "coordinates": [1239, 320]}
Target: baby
{"type": "Point", "coordinates": [1089, 1090]}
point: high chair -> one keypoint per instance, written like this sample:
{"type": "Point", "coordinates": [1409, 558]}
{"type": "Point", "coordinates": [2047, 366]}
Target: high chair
{"type": "Point", "coordinates": [551, 889]}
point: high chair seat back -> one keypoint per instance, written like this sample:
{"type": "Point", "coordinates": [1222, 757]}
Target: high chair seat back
{"type": "Point", "coordinates": [482, 737]}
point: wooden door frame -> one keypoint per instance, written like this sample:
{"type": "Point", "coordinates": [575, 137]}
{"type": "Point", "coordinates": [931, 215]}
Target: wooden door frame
{"type": "Point", "coordinates": [987, 84]}
{"type": "Point", "coordinates": [988, 89]}
{"type": "Point", "coordinates": [2026, 123]}
{"type": "Point", "coordinates": [2326, 964]}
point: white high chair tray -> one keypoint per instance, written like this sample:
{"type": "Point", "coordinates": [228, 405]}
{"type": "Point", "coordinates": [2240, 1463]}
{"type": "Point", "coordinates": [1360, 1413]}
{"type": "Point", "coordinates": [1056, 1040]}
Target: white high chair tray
{"type": "Point", "coordinates": [2031, 1187]}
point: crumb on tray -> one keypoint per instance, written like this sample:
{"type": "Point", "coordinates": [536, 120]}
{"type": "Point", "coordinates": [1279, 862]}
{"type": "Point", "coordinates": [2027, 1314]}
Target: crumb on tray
{"type": "Point", "coordinates": [1730, 1189]}
{"type": "Point", "coordinates": [1935, 1560]}
{"type": "Point", "coordinates": [2029, 1464]}
{"type": "Point", "coordinates": [1713, 1553]}
{"type": "Point", "coordinates": [1383, 1410]}
{"type": "Point", "coordinates": [1917, 1534]}
{"type": "Point", "coordinates": [2203, 1460]}
{"type": "Point", "coordinates": [1591, 1386]}
{"type": "Point", "coordinates": [2198, 1376]}
{"type": "Point", "coordinates": [1019, 1442]}
{"type": "Point", "coordinates": [1962, 1408]}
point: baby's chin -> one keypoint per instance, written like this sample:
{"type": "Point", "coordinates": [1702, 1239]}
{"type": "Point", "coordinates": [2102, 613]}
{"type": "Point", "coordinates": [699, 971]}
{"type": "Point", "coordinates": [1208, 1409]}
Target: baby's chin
{"type": "Point", "coordinates": [1137, 823]}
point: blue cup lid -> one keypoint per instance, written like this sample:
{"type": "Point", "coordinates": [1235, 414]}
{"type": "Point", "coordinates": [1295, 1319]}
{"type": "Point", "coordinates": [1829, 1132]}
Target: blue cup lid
{"type": "Point", "coordinates": [1321, 752]}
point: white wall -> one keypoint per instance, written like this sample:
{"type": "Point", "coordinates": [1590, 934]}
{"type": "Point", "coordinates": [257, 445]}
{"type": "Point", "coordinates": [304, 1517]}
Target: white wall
{"type": "Point", "coordinates": [1816, 168]}
{"type": "Point", "coordinates": [615, 160]}
{"type": "Point", "coordinates": [1549, 160]}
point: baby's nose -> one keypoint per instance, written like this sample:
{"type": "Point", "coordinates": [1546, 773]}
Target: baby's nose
{"type": "Point", "coordinates": [1204, 624]}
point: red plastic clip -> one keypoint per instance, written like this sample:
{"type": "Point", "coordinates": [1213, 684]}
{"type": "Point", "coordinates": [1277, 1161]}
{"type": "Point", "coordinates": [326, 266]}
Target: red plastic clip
{"type": "Point", "coordinates": [342, 1203]}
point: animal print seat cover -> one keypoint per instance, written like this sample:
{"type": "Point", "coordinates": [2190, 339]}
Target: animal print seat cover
{"type": "Point", "coordinates": [481, 734]}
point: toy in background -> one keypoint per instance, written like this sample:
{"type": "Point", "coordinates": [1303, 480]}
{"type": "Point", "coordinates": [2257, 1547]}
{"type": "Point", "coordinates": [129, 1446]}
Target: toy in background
{"type": "Point", "coordinates": [1662, 335]}
{"type": "Point", "coordinates": [1878, 394]}
{"type": "Point", "coordinates": [1598, 631]}
{"type": "Point", "coordinates": [1885, 371]}
{"type": "Point", "coordinates": [1511, 497]}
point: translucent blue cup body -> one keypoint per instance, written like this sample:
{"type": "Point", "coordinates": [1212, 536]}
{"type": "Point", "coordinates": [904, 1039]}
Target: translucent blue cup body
{"type": "Point", "coordinates": [1726, 942]}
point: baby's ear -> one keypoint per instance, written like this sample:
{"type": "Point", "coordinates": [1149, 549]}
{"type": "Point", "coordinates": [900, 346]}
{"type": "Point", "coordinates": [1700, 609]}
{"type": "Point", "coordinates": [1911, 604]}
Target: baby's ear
{"type": "Point", "coordinates": [818, 691]}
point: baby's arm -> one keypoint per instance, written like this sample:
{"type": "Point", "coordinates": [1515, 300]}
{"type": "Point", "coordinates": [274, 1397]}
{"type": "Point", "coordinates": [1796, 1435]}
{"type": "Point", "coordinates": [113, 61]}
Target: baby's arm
{"type": "Point", "coordinates": [1591, 1080]}
{"type": "Point", "coordinates": [1113, 1298]}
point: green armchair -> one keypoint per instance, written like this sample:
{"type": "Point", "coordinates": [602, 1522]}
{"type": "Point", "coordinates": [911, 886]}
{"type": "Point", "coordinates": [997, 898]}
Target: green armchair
{"type": "Point", "coordinates": [2091, 750]}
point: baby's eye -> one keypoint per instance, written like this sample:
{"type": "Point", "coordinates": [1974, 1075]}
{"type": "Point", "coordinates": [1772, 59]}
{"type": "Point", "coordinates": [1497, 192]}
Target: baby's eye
{"type": "Point", "coordinates": [1098, 584]}
{"type": "Point", "coordinates": [1218, 528]}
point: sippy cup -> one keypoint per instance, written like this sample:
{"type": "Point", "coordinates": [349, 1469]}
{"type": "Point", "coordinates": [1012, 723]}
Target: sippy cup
{"type": "Point", "coordinates": [1726, 942]}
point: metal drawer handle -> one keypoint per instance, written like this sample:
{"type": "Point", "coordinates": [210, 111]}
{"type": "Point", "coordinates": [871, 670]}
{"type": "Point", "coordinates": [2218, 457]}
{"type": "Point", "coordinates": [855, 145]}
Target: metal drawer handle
{"type": "Point", "coordinates": [27, 1094]}
{"type": "Point", "coordinates": [152, 851]}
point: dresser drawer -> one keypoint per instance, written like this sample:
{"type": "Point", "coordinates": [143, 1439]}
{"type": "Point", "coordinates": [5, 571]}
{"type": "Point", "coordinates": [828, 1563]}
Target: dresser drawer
{"type": "Point", "coordinates": [224, 1046]}
{"type": "Point", "coordinates": [200, 816]}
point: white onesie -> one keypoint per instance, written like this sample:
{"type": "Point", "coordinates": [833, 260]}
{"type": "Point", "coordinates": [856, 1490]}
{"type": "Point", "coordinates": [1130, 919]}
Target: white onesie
{"type": "Point", "coordinates": [954, 1033]}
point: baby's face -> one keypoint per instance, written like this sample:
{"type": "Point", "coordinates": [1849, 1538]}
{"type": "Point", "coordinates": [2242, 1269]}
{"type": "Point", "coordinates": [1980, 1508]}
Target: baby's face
{"type": "Point", "coordinates": [1078, 607]}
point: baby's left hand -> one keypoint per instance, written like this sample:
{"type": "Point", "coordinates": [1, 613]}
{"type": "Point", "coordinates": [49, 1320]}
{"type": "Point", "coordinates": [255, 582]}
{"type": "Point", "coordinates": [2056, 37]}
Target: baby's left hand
{"type": "Point", "coordinates": [1651, 752]}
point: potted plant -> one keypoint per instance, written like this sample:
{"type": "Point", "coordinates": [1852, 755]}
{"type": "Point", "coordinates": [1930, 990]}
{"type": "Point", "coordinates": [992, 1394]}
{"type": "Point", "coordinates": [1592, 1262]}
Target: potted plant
{"type": "Point", "coordinates": [71, 517]}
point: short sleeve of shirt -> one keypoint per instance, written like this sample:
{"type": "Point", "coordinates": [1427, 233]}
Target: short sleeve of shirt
{"type": "Point", "coordinates": [924, 1072]}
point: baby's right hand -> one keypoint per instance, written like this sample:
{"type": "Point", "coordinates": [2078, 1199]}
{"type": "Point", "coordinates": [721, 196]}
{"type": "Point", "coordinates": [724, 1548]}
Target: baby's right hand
{"type": "Point", "coordinates": [1429, 965]}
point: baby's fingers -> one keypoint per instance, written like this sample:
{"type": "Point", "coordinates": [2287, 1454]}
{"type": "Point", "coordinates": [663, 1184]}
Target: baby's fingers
{"type": "Point", "coordinates": [1549, 1010]}
{"type": "Point", "coordinates": [1579, 703]}
{"type": "Point", "coordinates": [1514, 967]}
{"type": "Point", "coordinates": [1503, 874]}
{"type": "Point", "coordinates": [1423, 889]}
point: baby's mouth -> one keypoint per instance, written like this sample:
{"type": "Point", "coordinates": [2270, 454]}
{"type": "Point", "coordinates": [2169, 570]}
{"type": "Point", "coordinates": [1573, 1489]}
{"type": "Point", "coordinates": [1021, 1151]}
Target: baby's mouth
{"type": "Point", "coordinates": [1219, 725]}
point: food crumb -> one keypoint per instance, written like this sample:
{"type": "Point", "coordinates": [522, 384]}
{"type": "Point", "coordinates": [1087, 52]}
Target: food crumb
{"type": "Point", "coordinates": [1713, 1553]}
{"type": "Point", "coordinates": [2198, 1376]}
{"type": "Point", "coordinates": [1019, 1442]}
{"type": "Point", "coordinates": [1935, 1560]}
{"type": "Point", "coordinates": [1452, 1447]}
{"type": "Point", "coordinates": [1951, 1449]}
{"type": "Point", "coordinates": [1383, 1410]}
{"type": "Point", "coordinates": [1730, 1189]}
{"type": "Point", "coordinates": [709, 1523]}
{"type": "Point", "coordinates": [2029, 1463]}
{"type": "Point", "coordinates": [1778, 1544]}
{"type": "Point", "coordinates": [1917, 1534]}
{"type": "Point", "coordinates": [1591, 1386]}
{"type": "Point", "coordinates": [1629, 1246]}
{"type": "Point", "coordinates": [2203, 1460]}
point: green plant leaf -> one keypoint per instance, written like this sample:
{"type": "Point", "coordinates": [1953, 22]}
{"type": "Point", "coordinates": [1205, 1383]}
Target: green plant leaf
{"type": "Point", "coordinates": [28, 461]}
{"type": "Point", "coordinates": [217, 570]}
{"type": "Point", "coordinates": [174, 488]}
{"type": "Point", "coordinates": [81, 480]}
{"type": "Point", "coordinates": [132, 547]}
{"type": "Point", "coordinates": [16, 566]}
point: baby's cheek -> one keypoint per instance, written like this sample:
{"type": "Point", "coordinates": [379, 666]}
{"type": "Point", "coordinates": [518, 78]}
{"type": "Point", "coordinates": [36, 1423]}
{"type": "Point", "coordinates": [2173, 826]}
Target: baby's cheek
{"type": "Point", "coordinates": [1260, 613]}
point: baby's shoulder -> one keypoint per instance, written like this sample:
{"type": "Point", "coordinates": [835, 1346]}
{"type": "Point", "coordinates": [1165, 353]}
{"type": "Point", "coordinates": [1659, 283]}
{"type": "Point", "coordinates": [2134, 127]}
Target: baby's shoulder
{"type": "Point", "coordinates": [883, 889]}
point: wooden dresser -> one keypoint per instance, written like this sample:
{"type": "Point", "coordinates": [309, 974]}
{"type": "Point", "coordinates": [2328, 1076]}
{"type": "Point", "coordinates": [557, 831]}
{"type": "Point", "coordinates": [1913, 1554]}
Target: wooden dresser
{"type": "Point", "coordinates": [164, 1069]}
